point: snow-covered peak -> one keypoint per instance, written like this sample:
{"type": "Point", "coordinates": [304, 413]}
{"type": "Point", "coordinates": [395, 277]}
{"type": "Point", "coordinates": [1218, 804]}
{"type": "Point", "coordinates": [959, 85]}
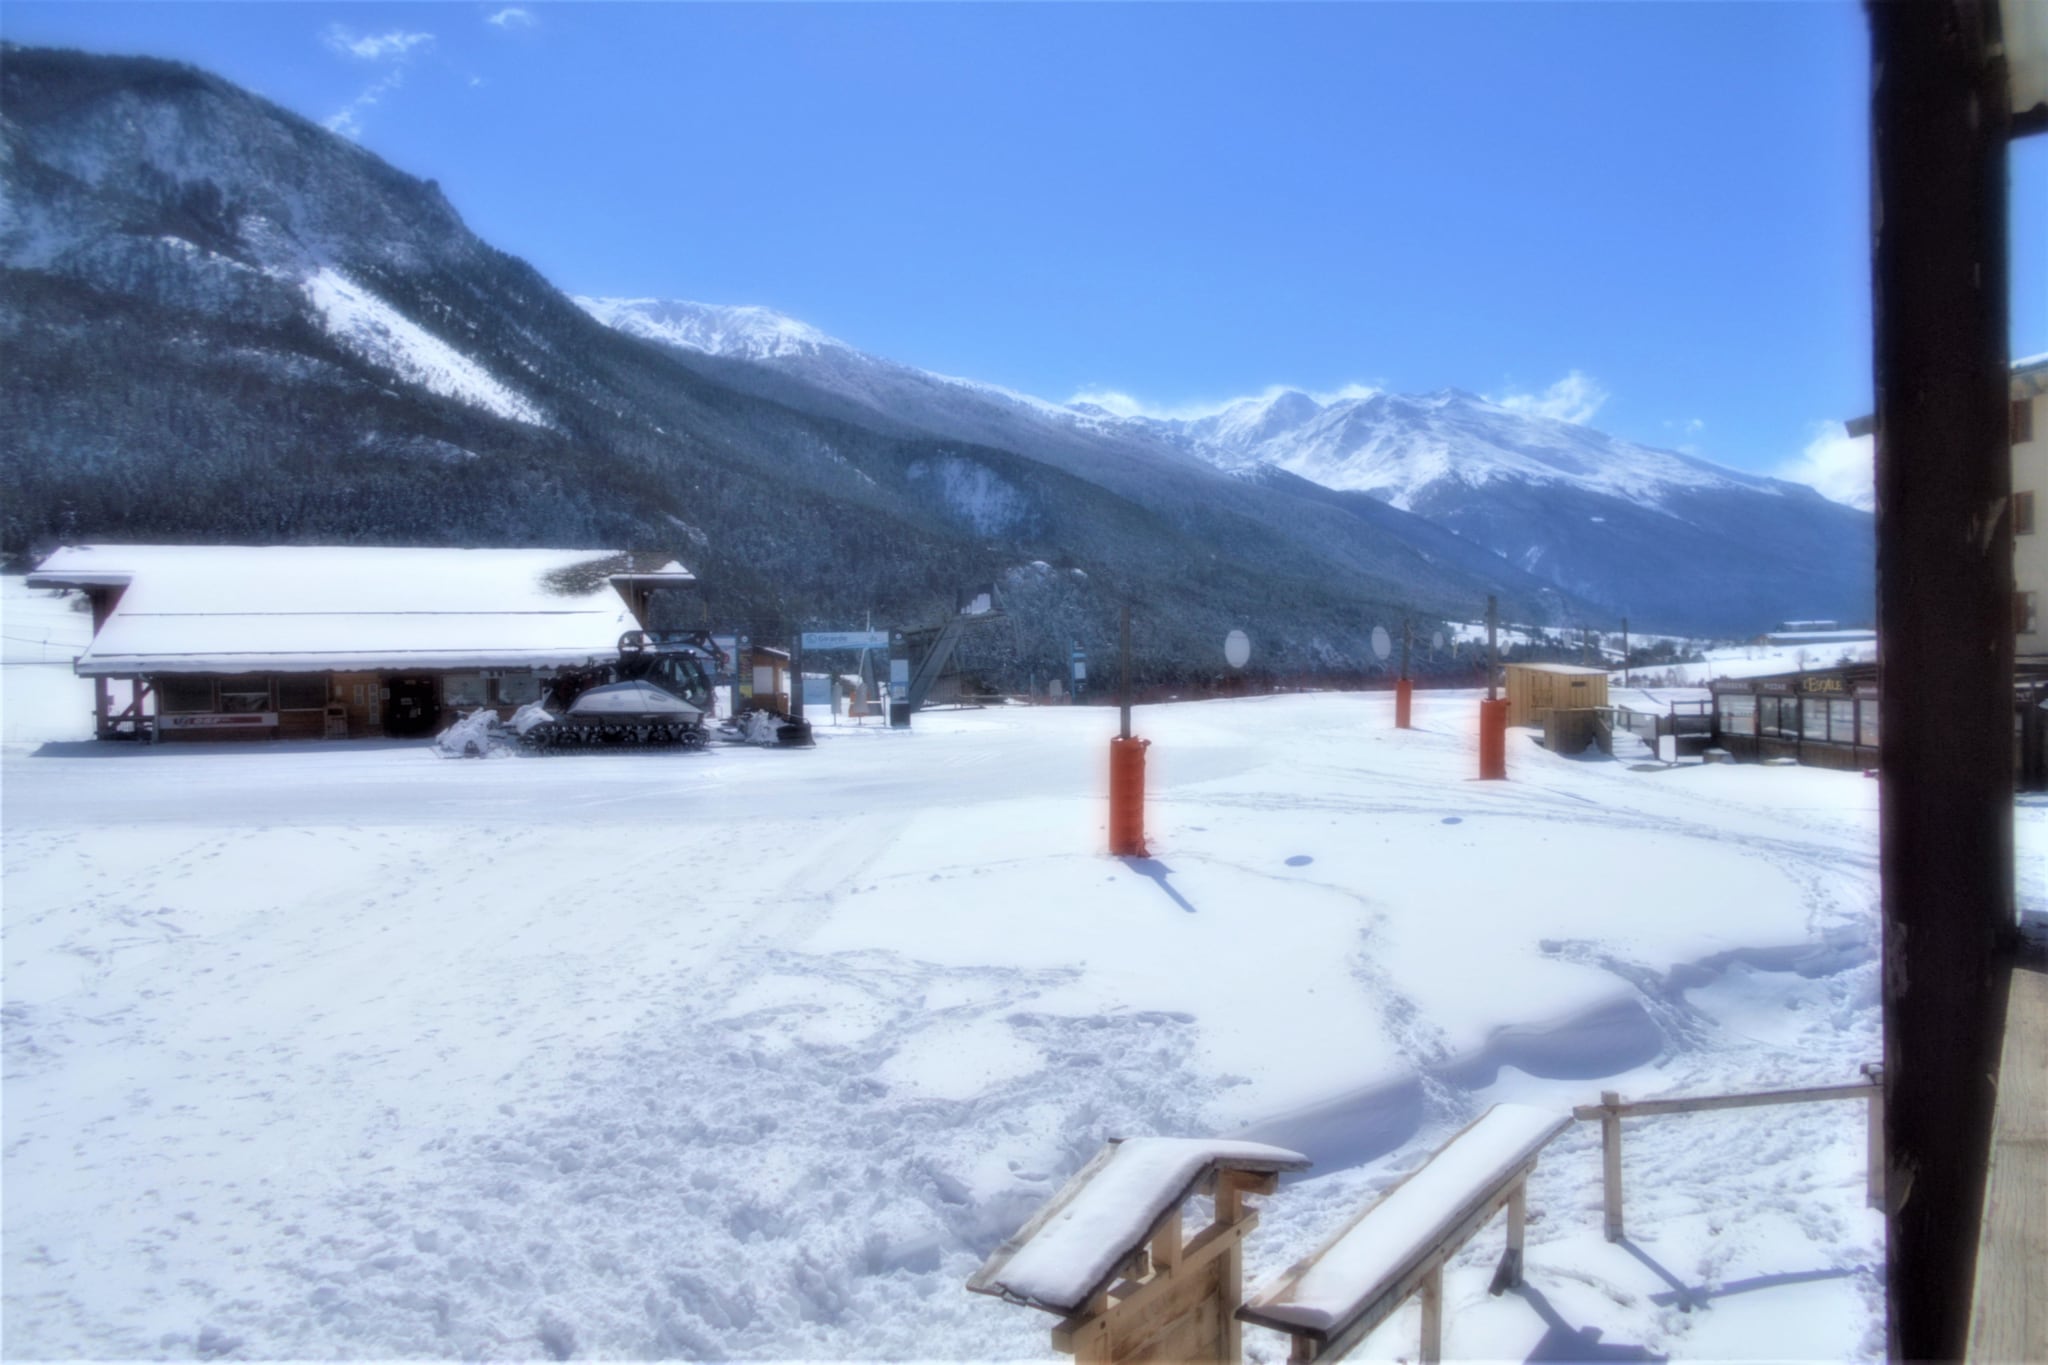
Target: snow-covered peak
{"type": "Point", "coordinates": [743, 331]}
{"type": "Point", "coordinates": [1397, 445]}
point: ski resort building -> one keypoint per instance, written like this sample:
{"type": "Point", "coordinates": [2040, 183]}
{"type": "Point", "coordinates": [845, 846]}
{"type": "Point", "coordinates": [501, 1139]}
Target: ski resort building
{"type": "Point", "coordinates": [1533, 689]}
{"type": "Point", "coordinates": [284, 642]}
{"type": "Point", "coordinates": [1825, 718]}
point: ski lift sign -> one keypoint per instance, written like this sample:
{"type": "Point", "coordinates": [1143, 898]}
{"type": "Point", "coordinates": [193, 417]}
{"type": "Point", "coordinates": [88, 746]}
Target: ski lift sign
{"type": "Point", "coordinates": [846, 639]}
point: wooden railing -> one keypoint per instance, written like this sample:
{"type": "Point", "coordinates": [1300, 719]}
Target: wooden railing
{"type": "Point", "coordinates": [1612, 1110]}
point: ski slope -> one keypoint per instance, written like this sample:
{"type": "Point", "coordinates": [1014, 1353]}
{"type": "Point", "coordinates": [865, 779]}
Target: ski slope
{"type": "Point", "coordinates": [319, 1050]}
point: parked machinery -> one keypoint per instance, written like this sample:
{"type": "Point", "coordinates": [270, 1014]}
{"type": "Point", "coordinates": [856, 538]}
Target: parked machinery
{"type": "Point", "coordinates": [654, 696]}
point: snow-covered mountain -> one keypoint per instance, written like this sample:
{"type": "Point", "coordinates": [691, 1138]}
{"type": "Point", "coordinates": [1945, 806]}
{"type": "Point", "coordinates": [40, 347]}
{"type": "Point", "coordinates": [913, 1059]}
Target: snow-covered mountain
{"type": "Point", "coordinates": [221, 322]}
{"type": "Point", "coordinates": [1398, 446]}
{"type": "Point", "coordinates": [748, 333]}
{"type": "Point", "coordinates": [1653, 534]}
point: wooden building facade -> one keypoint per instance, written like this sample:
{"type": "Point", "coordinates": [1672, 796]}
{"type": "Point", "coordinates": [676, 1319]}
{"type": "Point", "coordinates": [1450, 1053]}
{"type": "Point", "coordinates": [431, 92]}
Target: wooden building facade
{"type": "Point", "coordinates": [1533, 689]}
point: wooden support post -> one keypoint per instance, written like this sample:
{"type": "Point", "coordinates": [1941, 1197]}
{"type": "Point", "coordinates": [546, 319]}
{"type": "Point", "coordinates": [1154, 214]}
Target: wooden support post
{"type": "Point", "coordinates": [1231, 1187]}
{"type": "Point", "coordinates": [1610, 1162]}
{"type": "Point", "coordinates": [1874, 1145]}
{"type": "Point", "coordinates": [1940, 113]}
{"type": "Point", "coordinates": [1508, 1274]}
{"type": "Point", "coordinates": [1166, 1246]}
{"type": "Point", "coordinates": [100, 704]}
{"type": "Point", "coordinates": [1624, 651]}
{"type": "Point", "coordinates": [1433, 1315]}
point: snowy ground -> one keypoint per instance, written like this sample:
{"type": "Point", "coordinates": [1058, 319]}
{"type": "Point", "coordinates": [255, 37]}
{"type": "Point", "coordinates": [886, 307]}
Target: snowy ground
{"type": "Point", "coordinates": [319, 1050]}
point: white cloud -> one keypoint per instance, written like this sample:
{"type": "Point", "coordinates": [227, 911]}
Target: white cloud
{"type": "Point", "coordinates": [1839, 465]}
{"type": "Point", "coordinates": [512, 17]}
{"type": "Point", "coordinates": [1574, 398]}
{"type": "Point", "coordinates": [1125, 405]}
{"type": "Point", "coordinates": [348, 120]}
{"type": "Point", "coordinates": [396, 45]}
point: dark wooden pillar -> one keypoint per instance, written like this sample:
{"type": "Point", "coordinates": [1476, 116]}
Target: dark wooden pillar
{"type": "Point", "coordinates": [1944, 574]}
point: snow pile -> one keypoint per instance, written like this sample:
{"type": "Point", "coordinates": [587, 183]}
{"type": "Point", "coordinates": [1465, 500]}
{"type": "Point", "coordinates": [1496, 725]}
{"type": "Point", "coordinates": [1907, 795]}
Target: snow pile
{"type": "Point", "coordinates": [759, 727]}
{"type": "Point", "coordinates": [528, 716]}
{"type": "Point", "coordinates": [480, 734]}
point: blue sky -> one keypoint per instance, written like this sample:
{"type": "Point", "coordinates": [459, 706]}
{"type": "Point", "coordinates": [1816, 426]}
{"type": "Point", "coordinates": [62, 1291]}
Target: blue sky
{"type": "Point", "coordinates": [1650, 215]}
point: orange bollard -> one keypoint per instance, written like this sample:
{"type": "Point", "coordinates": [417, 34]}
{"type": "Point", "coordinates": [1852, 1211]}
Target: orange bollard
{"type": "Point", "coordinates": [1127, 797]}
{"type": "Point", "coordinates": [1493, 739]}
{"type": "Point", "coordinates": [1404, 697]}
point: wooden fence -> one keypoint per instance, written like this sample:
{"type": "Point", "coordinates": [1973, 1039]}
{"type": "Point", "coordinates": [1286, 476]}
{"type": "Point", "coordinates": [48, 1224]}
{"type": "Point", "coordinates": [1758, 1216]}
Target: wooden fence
{"type": "Point", "coordinates": [1612, 1110]}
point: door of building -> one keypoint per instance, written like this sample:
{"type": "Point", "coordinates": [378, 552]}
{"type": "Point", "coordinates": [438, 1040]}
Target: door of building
{"type": "Point", "coordinates": [413, 707]}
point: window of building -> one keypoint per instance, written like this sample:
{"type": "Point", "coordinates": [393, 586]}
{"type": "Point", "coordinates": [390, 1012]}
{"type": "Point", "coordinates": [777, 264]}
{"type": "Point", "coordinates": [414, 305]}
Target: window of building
{"type": "Point", "coordinates": [1738, 713]}
{"type": "Point", "coordinates": [2023, 613]}
{"type": "Point", "coordinates": [1841, 720]}
{"type": "Point", "coordinates": [244, 695]}
{"type": "Point", "coordinates": [301, 691]}
{"type": "Point", "coordinates": [1778, 716]}
{"type": "Point", "coordinates": [1814, 716]}
{"type": "Point", "coordinates": [517, 689]}
{"type": "Point", "coordinates": [465, 689]}
{"type": "Point", "coordinates": [184, 694]}
{"type": "Point", "coordinates": [2023, 513]}
{"type": "Point", "coordinates": [2022, 421]}
{"type": "Point", "coordinates": [1866, 722]}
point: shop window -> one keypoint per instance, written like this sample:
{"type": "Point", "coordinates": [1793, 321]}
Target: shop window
{"type": "Point", "coordinates": [184, 694]}
{"type": "Point", "coordinates": [1814, 718]}
{"type": "Point", "coordinates": [2023, 513]}
{"type": "Point", "coordinates": [2022, 421]}
{"type": "Point", "coordinates": [1841, 720]}
{"type": "Point", "coordinates": [240, 696]}
{"type": "Point", "coordinates": [517, 689]}
{"type": "Point", "coordinates": [1738, 713]}
{"type": "Point", "coordinates": [465, 689]}
{"type": "Point", "coordinates": [301, 691]}
{"type": "Point", "coordinates": [1780, 716]}
{"type": "Point", "coordinates": [1866, 722]}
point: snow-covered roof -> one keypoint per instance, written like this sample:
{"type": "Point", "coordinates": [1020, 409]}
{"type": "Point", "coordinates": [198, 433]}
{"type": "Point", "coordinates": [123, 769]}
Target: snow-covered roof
{"type": "Point", "coordinates": [1112, 1206]}
{"type": "Point", "coordinates": [227, 609]}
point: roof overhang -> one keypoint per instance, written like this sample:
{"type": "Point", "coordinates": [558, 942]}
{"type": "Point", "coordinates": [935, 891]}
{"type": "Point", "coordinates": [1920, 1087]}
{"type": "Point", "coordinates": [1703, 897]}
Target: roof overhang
{"type": "Point", "coordinates": [2023, 31]}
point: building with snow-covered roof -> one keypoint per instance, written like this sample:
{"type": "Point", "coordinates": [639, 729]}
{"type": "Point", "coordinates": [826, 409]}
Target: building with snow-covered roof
{"type": "Point", "coordinates": [305, 641]}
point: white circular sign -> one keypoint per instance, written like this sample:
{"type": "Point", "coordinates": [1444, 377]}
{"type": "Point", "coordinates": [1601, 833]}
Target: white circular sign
{"type": "Point", "coordinates": [1237, 649]}
{"type": "Point", "coordinates": [1382, 643]}
{"type": "Point", "coordinates": [1436, 641]}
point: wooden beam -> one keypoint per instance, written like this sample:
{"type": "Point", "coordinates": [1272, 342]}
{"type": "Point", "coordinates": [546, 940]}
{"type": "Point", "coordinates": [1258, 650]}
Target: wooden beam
{"type": "Point", "coordinates": [1939, 115]}
{"type": "Point", "coordinates": [2009, 1318]}
{"type": "Point", "coordinates": [1433, 1314]}
{"type": "Point", "coordinates": [1857, 1090]}
{"type": "Point", "coordinates": [1610, 1162]}
{"type": "Point", "coordinates": [1344, 1337]}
